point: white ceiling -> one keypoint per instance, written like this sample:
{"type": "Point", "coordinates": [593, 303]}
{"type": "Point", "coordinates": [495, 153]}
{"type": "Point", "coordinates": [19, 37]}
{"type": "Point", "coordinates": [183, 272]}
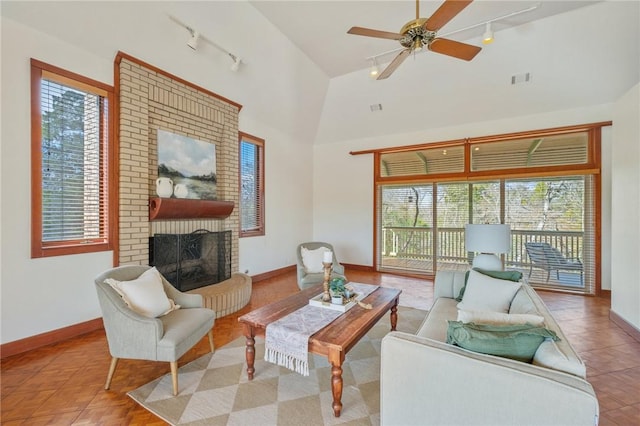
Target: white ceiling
{"type": "Point", "coordinates": [579, 54]}
{"type": "Point", "coordinates": [319, 28]}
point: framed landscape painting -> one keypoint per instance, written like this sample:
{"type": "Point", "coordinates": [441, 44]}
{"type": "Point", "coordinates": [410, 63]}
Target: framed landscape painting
{"type": "Point", "coordinates": [189, 165]}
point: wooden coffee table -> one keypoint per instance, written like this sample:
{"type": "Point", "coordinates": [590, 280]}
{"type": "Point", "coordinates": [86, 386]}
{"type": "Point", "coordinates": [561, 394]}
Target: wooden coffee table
{"type": "Point", "coordinates": [333, 341]}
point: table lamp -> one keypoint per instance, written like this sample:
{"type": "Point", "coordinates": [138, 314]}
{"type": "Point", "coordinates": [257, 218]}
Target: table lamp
{"type": "Point", "coordinates": [488, 240]}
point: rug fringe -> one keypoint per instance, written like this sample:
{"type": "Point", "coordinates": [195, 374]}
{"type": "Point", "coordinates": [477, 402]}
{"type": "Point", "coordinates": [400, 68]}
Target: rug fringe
{"type": "Point", "coordinates": [288, 361]}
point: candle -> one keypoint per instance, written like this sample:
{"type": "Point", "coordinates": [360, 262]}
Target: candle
{"type": "Point", "coordinates": [327, 257]}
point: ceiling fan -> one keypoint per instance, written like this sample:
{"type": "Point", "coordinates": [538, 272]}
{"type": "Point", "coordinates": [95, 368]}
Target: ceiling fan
{"type": "Point", "coordinates": [422, 32]}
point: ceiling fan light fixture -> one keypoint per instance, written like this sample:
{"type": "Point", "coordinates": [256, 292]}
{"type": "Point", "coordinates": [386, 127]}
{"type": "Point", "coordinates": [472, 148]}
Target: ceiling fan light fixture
{"type": "Point", "coordinates": [374, 71]}
{"type": "Point", "coordinates": [487, 37]}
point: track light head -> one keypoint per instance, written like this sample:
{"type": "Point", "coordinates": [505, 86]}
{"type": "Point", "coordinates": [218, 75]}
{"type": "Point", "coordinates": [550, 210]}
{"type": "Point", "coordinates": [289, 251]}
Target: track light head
{"type": "Point", "coordinates": [374, 71]}
{"type": "Point", "coordinates": [193, 41]}
{"type": "Point", "coordinates": [236, 62]}
{"type": "Point", "coordinates": [487, 37]}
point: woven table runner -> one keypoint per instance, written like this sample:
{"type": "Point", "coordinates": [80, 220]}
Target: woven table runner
{"type": "Point", "coordinates": [287, 339]}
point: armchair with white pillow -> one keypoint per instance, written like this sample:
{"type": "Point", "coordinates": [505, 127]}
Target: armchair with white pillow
{"type": "Point", "coordinates": [146, 318]}
{"type": "Point", "coordinates": [310, 268]}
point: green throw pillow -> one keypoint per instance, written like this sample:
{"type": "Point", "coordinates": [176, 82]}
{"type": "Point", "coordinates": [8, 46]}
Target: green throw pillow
{"type": "Point", "coordinates": [514, 276]}
{"type": "Point", "coordinates": [517, 341]}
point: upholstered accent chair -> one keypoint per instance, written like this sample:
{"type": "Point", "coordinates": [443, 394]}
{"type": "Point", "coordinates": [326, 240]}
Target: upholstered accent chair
{"type": "Point", "coordinates": [310, 263]}
{"type": "Point", "coordinates": [166, 337]}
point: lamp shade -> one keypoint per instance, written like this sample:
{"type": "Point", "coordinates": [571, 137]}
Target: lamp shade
{"type": "Point", "coordinates": [495, 238]}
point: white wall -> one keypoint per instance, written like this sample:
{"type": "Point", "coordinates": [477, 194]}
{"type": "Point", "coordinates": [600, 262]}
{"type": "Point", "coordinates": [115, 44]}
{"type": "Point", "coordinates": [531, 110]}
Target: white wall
{"type": "Point", "coordinates": [281, 91]}
{"type": "Point", "coordinates": [38, 295]}
{"type": "Point", "coordinates": [343, 183]}
{"type": "Point", "coordinates": [625, 198]}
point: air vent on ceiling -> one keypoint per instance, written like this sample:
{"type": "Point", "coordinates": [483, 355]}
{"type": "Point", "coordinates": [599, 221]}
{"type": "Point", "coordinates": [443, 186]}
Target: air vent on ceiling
{"type": "Point", "coordinates": [521, 78]}
{"type": "Point", "coordinates": [375, 107]}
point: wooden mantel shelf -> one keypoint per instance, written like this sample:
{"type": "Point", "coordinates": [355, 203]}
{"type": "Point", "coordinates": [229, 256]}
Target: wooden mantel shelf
{"type": "Point", "coordinates": [183, 208]}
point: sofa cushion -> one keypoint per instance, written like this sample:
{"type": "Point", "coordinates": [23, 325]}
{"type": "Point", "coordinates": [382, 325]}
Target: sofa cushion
{"type": "Point", "coordinates": [145, 294]}
{"type": "Point", "coordinates": [484, 293]}
{"type": "Point", "coordinates": [501, 275]}
{"type": "Point", "coordinates": [434, 325]}
{"type": "Point", "coordinates": [497, 318]}
{"type": "Point", "coordinates": [519, 342]}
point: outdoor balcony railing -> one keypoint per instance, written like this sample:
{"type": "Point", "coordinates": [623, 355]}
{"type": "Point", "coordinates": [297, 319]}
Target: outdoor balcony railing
{"type": "Point", "coordinates": [416, 243]}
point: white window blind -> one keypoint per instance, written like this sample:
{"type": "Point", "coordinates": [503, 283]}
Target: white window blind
{"type": "Point", "coordinates": [74, 191]}
{"type": "Point", "coordinates": [419, 234]}
{"type": "Point", "coordinates": [405, 238]}
{"type": "Point", "coordinates": [251, 186]}
{"type": "Point", "coordinates": [556, 150]}
{"type": "Point", "coordinates": [425, 161]}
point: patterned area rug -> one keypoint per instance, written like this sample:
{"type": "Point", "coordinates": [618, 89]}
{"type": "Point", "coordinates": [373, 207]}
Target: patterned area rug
{"type": "Point", "coordinates": [214, 389]}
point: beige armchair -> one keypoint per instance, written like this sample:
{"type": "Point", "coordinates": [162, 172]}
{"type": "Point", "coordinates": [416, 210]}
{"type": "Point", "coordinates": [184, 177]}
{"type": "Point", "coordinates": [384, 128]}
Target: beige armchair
{"type": "Point", "coordinates": [308, 275]}
{"type": "Point", "coordinates": [135, 336]}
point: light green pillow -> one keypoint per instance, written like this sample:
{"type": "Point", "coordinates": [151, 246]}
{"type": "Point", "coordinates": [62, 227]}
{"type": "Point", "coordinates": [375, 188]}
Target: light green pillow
{"type": "Point", "coordinates": [517, 341]}
{"type": "Point", "coordinates": [514, 276]}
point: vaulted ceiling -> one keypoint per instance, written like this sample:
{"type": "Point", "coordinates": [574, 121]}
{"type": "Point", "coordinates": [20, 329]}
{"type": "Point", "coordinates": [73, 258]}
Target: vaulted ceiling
{"type": "Point", "coordinates": [563, 55]}
{"type": "Point", "coordinates": [319, 28]}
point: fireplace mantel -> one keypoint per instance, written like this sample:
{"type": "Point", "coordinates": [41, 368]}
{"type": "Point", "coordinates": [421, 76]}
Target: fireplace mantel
{"type": "Point", "coordinates": [182, 208]}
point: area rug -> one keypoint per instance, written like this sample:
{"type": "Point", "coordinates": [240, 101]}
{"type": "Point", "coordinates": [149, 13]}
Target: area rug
{"type": "Point", "coordinates": [214, 389]}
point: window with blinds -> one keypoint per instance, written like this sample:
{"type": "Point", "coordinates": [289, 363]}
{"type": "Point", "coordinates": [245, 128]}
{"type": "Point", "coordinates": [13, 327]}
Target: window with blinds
{"type": "Point", "coordinates": [486, 155]}
{"type": "Point", "coordinates": [544, 151]}
{"type": "Point", "coordinates": [553, 233]}
{"type": "Point", "coordinates": [70, 144]}
{"type": "Point", "coordinates": [425, 161]}
{"type": "Point", "coordinates": [251, 186]}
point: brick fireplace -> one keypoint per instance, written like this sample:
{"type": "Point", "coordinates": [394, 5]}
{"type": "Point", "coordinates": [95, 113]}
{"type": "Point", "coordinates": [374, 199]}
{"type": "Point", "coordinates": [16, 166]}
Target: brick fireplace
{"type": "Point", "coordinates": [151, 99]}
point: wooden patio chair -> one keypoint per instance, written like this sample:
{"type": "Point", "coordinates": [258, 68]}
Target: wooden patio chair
{"type": "Point", "coordinates": [548, 258]}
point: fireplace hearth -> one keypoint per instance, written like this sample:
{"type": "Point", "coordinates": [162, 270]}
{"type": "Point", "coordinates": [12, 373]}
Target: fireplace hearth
{"type": "Point", "coordinates": [194, 260]}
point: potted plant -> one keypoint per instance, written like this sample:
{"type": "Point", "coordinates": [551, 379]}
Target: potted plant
{"type": "Point", "coordinates": [337, 290]}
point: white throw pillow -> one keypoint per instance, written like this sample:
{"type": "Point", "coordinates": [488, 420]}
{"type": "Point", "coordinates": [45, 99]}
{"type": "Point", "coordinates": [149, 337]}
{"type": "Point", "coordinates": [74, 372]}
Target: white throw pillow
{"type": "Point", "coordinates": [145, 294]}
{"type": "Point", "coordinates": [484, 293]}
{"type": "Point", "coordinates": [312, 259]}
{"type": "Point", "coordinates": [549, 355]}
{"type": "Point", "coordinates": [499, 318]}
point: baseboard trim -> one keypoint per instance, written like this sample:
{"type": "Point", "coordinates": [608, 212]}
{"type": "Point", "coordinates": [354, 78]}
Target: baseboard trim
{"type": "Point", "coordinates": [627, 327]}
{"type": "Point", "coordinates": [271, 274]}
{"type": "Point", "coordinates": [358, 267]}
{"type": "Point", "coordinates": [44, 339]}
{"type": "Point", "coordinates": [605, 293]}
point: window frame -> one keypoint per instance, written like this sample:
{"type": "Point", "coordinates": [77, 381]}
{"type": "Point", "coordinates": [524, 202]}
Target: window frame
{"type": "Point", "coordinates": [40, 248]}
{"type": "Point", "coordinates": [591, 167]}
{"type": "Point", "coordinates": [260, 144]}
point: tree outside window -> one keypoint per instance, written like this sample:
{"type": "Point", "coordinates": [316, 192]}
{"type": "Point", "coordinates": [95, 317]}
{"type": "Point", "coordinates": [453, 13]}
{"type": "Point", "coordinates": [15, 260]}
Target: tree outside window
{"type": "Point", "coordinates": [251, 185]}
{"type": "Point", "coordinates": [70, 146]}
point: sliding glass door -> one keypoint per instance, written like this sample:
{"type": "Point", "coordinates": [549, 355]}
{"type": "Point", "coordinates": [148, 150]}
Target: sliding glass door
{"type": "Point", "coordinates": [421, 227]}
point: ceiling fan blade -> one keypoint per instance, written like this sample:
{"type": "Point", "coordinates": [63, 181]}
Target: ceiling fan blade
{"type": "Point", "coordinates": [446, 12]}
{"type": "Point", "coordinates": [394, 64]}
{"type": "Point", "coordinates": [368, 32]}
{"type": "Point", "coordinates": [454, 48]}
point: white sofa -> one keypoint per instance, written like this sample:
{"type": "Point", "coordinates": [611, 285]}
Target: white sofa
{"type": "Point", "coordinates": [425, 381]}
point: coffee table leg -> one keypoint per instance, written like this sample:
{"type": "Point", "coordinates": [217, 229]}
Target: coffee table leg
{"type": "Point", "coordinates": [394, 316]}
{"type": "Point", "coordinates": [336, 359]}
{"type": "Point", "coordinates": [250, 350]}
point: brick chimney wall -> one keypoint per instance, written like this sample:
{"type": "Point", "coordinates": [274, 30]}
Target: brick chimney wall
{"type": "Point", "coordinates": [151, 99]}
